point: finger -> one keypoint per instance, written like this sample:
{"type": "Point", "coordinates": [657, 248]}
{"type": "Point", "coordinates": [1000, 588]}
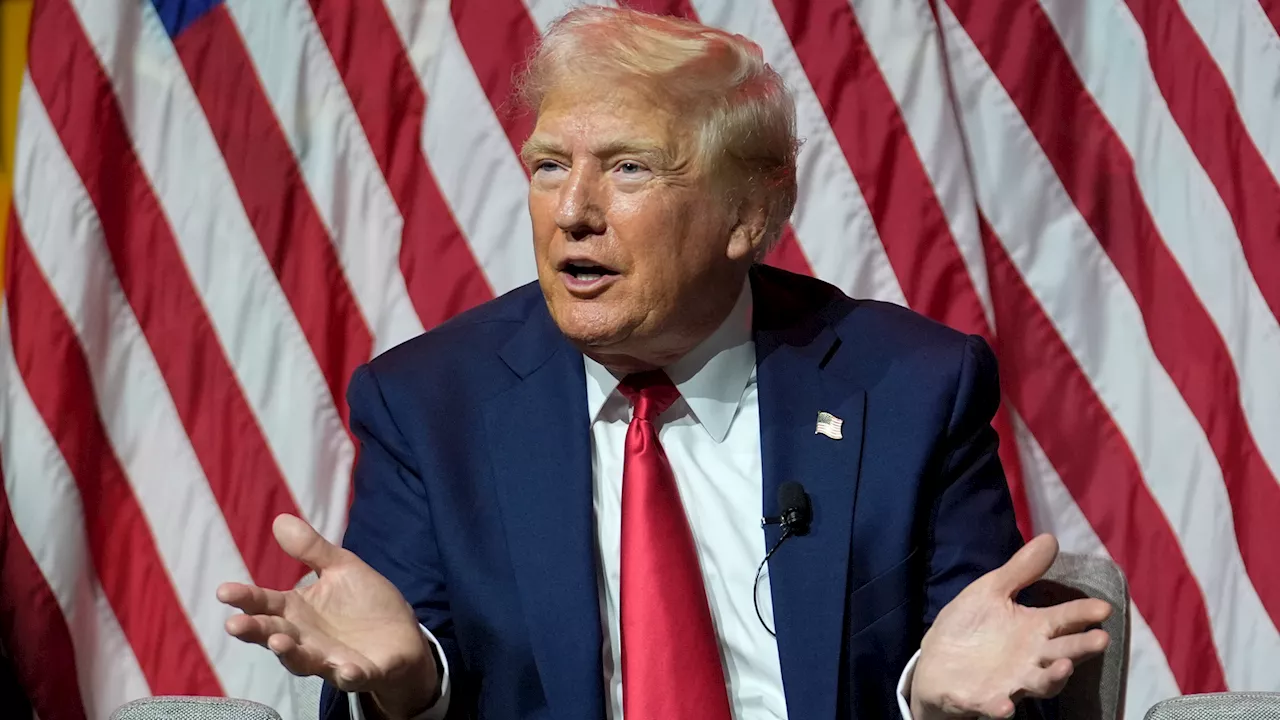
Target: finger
{"type": "Point", "coordinates": [967, 705]}
{"type": "Point", "coordinates": [1002, 708]}
{"type": "Point", "coordinates": [1048, 682]}
{"type": "Point", "coordinates": [304, 660]}
{"type": "Point", "coordinates": [258, 629]}
{"type": "Point", "coordinates": [1077, 647]}
{"type": "Point", "coordinates": [349, 677]}
{"type": "Point", "coordinates": [1076, 616]}
{"type": "Point", "coordinates": [251, 599]}
{"type": "Point", "coordinates": [298, 659]}
{"type": "Point", "coordinates": [301, 542]}
{"type": "Point", "coordinates": [282, 644]}
{"type": "Point", "coordinates": [1026, 566]}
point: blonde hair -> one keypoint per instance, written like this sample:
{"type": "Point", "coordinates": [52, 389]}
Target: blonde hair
{"type": "Point", "coordinates": [747, 136]}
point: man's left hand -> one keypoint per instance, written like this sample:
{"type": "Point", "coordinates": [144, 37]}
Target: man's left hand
{"type": "Point", "coordinates": [985, 652]}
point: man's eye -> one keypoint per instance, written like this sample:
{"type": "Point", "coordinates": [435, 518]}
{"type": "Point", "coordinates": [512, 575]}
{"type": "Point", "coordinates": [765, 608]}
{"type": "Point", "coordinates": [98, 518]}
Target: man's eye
{"type": "Point", "coordinates": [547, 165]}
{"type": "Point", "coordinates": [630, 168]}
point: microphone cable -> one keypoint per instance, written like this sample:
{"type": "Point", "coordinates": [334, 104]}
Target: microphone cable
{"type": "Point", "coordinates": [755, 588]}
{"type": "Point", "coordinates": [796, 514]}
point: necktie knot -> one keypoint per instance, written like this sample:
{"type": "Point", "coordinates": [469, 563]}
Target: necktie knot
{"type": "Point", "coordinates": [650, 393]}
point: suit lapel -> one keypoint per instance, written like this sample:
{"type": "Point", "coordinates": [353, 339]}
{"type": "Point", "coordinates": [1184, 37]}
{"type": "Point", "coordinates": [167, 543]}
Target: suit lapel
{"type": "Point", "coordinates": [539, 436]}
{"type": "Point", "coordinates": [808, 575]}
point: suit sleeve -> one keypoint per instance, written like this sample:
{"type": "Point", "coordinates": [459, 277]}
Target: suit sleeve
{"type": "Point", "coordinates": [972, 528]}
{"type": "Point", "coordinates": [390, 527]}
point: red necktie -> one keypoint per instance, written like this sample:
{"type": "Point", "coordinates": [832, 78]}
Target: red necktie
{"type": "Point", "coordinates": [670, 655]}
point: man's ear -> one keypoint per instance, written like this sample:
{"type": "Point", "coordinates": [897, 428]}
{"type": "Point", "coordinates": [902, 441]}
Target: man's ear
{"type": "Point", "coordinates": [747, 236]}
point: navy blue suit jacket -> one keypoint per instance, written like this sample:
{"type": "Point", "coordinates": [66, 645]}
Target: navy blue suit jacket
{"type": "Point", "coordinates": [473, 496]}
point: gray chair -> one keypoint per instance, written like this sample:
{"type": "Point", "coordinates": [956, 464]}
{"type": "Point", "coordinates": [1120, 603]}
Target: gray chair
{"type": "Point", "coordinates": [174, 707]}
{"type": "Point", "coordinates": [305, 691]}
{"type": "Point", "coordinates": [1096, 691]}
{"type": "Point", "coordinates": [1226, 706]}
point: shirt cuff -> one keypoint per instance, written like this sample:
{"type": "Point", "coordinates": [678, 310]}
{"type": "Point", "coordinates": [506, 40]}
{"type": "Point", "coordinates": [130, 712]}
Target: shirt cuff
{"type": "Point", "coordinates": [904, 687]}
{"type": "Point", "coordinates": [435, 712]}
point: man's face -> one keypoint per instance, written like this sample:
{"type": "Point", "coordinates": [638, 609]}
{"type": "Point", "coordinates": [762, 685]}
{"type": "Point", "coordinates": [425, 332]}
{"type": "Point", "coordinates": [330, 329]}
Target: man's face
{"type": "Point", "coordinates": [635, 246]}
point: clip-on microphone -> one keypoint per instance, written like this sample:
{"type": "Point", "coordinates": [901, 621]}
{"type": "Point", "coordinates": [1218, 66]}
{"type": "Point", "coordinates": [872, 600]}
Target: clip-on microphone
{"type": "Point", "coordinates": [796, 513]}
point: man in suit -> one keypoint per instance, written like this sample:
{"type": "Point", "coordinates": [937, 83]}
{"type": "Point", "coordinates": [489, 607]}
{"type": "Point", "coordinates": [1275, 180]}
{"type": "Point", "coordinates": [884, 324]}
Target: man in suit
{"type": "Point", "coordinates": [558, 494]}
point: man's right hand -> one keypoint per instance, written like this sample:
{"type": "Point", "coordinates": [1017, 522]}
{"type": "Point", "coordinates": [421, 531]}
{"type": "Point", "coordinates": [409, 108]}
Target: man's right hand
{"type": "Point", "coordinates": [351, 627]}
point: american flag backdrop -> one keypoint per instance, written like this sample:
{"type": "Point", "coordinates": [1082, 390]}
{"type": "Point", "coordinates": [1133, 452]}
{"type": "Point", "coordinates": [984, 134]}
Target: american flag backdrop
{"type": "Point", "coordinates": [222, 207]}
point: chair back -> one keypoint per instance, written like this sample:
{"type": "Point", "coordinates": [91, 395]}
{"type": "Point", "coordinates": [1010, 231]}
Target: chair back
{"type": "Point", "coordinates": [175, 707]}
{"type": "Point", "coordinates": [1220, 706]}
{"type": "Point", "coordinates": [1096, 690]}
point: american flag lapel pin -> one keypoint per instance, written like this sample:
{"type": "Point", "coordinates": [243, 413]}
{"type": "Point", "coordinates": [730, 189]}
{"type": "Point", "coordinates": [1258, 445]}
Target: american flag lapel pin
{"type": "Point", "coordinates": [828, 425]}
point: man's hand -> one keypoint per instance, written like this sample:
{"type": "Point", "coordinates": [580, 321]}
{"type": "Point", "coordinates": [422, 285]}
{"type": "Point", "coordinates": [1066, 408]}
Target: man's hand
{"type": "Point", "coordinates": [985, 652]}
{"type": "Point", "coordinates": [351, 627]}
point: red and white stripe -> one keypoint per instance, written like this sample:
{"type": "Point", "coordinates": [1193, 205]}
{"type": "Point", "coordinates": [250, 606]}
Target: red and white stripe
{"type": "Point", "coordinates": [211, 231]}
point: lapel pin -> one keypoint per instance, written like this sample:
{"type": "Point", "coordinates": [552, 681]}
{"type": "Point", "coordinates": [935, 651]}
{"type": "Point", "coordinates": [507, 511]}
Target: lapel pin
{"type": "Point", "coordinates": [828, 425]}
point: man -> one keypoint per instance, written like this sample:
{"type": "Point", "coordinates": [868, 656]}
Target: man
{"type": "Point", "coordinates": [558, 496]}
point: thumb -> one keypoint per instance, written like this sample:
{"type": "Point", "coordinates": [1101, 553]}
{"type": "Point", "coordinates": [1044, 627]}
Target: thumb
{"type": "Point", "coordinates": [1026, 566]}
{"type": "Point", "coordinates": [301, 542]}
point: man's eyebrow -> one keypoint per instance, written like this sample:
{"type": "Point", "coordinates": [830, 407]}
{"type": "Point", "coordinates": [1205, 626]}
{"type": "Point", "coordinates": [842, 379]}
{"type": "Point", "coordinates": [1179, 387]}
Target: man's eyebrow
{"type": "Point", "coordinates": [539, 146]}
{"type": "Point", "coordinates": [643, 148]}
{"type": "Point", "coordinates": [536, 146]}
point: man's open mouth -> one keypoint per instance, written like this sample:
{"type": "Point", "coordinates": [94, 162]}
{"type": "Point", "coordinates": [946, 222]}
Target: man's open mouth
{"type": "Point", "coordinates": [587, 272]}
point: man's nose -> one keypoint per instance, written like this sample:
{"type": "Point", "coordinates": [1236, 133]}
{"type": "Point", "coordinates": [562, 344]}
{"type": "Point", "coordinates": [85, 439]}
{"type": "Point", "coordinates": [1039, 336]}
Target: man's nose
{"type": "Point", "coordinates": [580, 213]}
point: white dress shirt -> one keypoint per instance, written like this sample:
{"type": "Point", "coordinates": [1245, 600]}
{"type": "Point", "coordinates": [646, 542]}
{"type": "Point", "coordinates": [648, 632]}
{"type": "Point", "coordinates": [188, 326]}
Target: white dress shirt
{"type": "Point", "coordinates": [711, 436]}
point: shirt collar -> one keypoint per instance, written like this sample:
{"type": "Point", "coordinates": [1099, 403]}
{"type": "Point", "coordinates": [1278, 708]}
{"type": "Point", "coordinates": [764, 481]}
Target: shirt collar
{"type": "Point", "coordinates": [711, 377]}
